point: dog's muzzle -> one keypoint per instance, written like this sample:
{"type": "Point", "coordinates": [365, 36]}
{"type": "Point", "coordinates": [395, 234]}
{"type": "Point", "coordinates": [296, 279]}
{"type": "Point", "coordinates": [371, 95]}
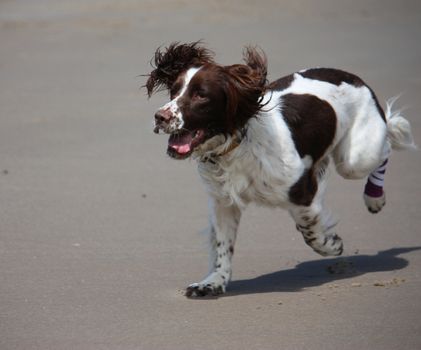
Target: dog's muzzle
{"type": "Point", "coordinates": [163, 118]}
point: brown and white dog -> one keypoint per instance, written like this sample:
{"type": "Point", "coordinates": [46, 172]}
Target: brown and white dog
{"type": "Point", "coordinates": [271, 143]}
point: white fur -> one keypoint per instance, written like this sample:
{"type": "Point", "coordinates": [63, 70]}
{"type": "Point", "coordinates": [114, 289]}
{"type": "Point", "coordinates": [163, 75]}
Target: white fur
{"type": "Point", "coordinates": [399, 129]}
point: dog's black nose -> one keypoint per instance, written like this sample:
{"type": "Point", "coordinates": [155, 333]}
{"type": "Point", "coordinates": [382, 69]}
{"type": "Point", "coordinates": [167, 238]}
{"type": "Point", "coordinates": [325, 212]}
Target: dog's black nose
{"type": "Point", "coordinates": [162, 116]}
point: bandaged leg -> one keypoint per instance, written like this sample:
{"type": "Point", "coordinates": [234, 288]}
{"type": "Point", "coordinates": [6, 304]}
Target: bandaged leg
{"type": "Point", "coordinates": [374, 196]}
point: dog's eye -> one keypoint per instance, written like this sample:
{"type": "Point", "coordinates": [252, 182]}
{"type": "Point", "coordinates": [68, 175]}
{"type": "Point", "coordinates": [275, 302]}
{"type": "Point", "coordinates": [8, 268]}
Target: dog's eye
{"type": "Point", "coordinates": [199, 95]}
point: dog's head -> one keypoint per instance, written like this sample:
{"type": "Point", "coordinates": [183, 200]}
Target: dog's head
{"type": "Point", "coordinates": [207, 99]}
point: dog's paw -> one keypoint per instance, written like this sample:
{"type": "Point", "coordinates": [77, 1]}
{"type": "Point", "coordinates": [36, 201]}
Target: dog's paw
{"type": "Point", "coordinates": [215, 284]}
{"type": "Point", "coordinates": [202, 290]}
{"type": "Point", "coordinates": [333, 246]}
{"type": "Point", "coordinates": [374, 204]}
{"type": "Point", "coordinates": [327, 245]}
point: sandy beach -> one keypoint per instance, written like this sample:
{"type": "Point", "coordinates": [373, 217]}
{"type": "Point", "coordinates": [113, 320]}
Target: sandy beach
{"type": "Point", "coordinates": [100, 231]}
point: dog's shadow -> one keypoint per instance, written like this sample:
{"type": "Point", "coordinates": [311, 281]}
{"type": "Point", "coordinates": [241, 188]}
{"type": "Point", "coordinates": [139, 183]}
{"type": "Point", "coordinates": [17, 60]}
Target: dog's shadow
{"type": "Point", "coordinates": [318, 272]}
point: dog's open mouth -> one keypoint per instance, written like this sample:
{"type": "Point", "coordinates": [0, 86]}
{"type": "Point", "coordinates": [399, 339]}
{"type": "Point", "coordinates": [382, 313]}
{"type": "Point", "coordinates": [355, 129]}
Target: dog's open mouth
{"type": "Point", "coordinates": [182, 144]}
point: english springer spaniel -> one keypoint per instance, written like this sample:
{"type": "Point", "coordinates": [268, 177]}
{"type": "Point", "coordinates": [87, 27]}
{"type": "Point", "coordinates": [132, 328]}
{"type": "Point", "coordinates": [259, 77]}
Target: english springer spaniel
{"type": "Point", "coordinates": [271, 143]}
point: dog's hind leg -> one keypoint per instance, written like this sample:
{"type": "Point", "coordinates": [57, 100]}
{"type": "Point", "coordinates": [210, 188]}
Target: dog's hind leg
{"type": "Point", "coordinates": [399, 137]}
{"type": "Point", "coordinates": [363, 146]}
{"type": "Point", "coordinates": [374, 196]}
{"type": "Point", "coordinates": [317, 226]}
{"type": "Point", "coordinates": [318, 230]}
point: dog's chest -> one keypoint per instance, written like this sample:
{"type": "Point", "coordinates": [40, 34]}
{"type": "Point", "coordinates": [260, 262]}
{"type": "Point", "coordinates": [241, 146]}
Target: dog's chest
{"type": "Point", "coordinates": [254, 181]}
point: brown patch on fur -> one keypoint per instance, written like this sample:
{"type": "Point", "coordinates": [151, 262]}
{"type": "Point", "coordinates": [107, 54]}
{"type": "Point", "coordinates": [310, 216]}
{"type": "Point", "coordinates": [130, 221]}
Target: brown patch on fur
{"type": "Point", "coordinates": [304, 190]}
{"type": "Point", "coordinates": [333, 76]}
{"type": "Point", "coordinates": [312, 122]}
{"type": "Point", "coordinates": [282, 83]}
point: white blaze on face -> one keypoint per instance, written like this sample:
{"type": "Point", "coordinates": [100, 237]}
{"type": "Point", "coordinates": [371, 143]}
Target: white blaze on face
{"type": "Point", "coordinates": [172, 106]}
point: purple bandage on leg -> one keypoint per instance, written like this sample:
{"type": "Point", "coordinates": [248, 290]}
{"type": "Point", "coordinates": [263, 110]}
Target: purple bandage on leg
{"type": "Point", "coordinates": [373, 190]}
{"type": "Point", "coordinates": [375, 182]}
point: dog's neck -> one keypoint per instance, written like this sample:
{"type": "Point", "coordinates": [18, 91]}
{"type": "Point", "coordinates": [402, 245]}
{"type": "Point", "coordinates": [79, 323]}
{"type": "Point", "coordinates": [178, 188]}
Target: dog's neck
{"type": "Point", "coordinates": [218, 147]}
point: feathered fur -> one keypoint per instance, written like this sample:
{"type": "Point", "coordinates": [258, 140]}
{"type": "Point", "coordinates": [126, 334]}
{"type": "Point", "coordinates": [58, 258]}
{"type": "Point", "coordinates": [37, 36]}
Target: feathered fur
{"type": "Point", "coordinates": [173, 60]}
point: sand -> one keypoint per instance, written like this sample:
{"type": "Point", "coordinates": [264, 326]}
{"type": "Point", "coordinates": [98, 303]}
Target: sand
{"type": "Point", "coordinates": [100, 230]}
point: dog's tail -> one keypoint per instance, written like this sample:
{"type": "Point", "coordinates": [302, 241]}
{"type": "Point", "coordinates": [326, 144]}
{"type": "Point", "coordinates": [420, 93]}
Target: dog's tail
{"type": "Point", "coordinates": [398, 128]}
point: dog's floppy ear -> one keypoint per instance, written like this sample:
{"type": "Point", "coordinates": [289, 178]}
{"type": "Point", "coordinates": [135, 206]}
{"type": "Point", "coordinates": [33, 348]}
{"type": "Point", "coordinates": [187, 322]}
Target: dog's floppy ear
{"type": "Point", "coordinates": [246, 84]}
{"type": "Point", "coordinates": [256, 59]}
{"type": "Point", "coordinates": [173, 60]}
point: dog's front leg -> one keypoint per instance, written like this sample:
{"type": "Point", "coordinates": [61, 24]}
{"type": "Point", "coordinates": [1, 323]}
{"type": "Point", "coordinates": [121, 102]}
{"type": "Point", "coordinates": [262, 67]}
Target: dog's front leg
{"type": "Point", "coordinates": [224, 222]}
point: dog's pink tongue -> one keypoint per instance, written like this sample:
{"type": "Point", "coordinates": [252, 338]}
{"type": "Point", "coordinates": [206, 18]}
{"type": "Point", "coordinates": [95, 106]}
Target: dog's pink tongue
{"type": "Point", "coordinates": [182, 149]}
{"type": "Point", "coordinates": [181, 142]}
